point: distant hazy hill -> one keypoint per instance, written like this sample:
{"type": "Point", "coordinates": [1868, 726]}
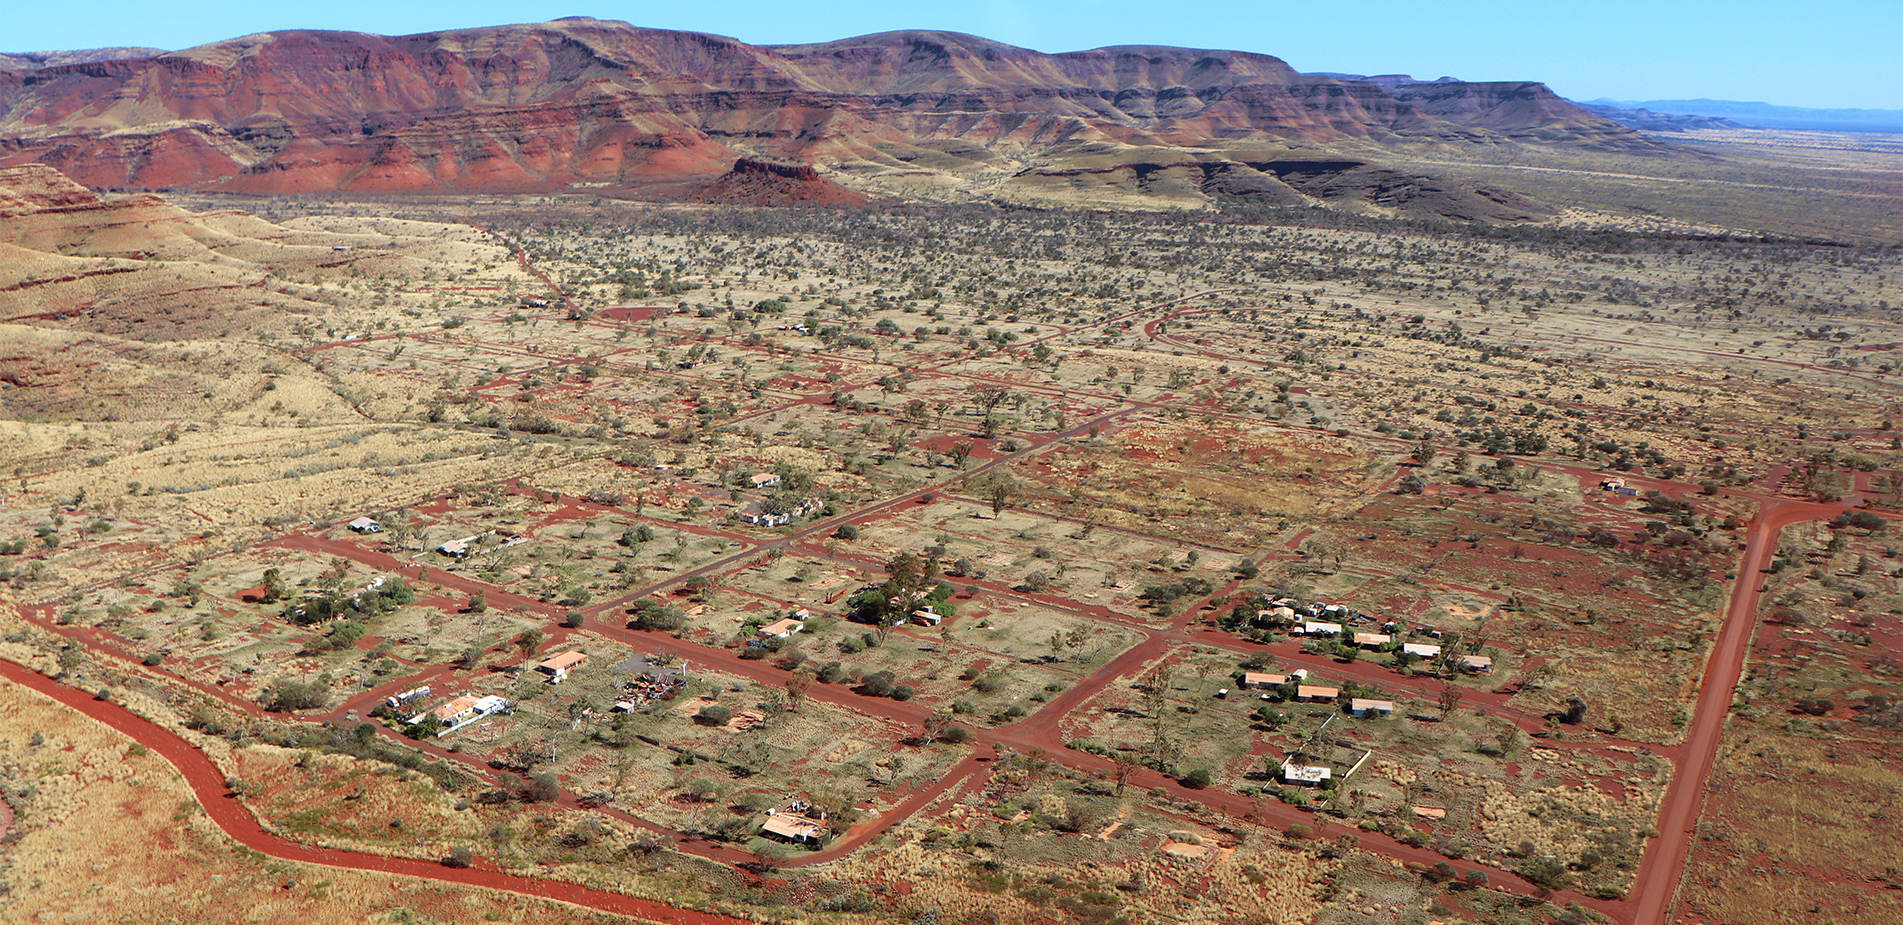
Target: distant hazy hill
{"type": "Point", "coordinates": [1766, 115]}
{"type": "Point", "coordinates": [1384, 81]}
{"type": "Point", "coordinates": [35, 60]}
{"type": "Point", "coordinates": [1645, 120]}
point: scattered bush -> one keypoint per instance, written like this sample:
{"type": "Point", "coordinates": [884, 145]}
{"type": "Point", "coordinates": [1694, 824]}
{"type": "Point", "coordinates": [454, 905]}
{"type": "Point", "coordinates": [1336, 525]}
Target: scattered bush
{"type": "Point", "coordinates": [297, 695]}
{"type": "Point", "coordinates": [543, 788]}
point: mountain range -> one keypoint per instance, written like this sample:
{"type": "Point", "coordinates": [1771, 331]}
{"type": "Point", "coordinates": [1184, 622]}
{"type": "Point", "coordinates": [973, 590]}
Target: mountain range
{"type": "Point", "coordinates": [604, 106]}
{"type": "Point", "coordinates": [651, 113]}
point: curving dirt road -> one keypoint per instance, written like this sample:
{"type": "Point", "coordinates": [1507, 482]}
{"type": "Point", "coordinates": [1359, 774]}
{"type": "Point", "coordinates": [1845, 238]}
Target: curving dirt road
{"type": "Point", "coordinates": [208, 783]}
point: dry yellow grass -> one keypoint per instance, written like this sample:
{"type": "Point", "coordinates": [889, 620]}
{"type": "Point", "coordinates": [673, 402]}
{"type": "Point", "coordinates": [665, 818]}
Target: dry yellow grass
{"type": "Point", "coordinates": [1252, 883]}
{"type": "Point", "coordinates": [1798, 829]}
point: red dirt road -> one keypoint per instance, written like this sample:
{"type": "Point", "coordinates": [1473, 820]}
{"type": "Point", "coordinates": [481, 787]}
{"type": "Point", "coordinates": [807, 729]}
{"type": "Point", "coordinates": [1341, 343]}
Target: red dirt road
{"type": "Point", "coordinates": [208, 784]}
{"type": "Point", "coordinates": [1664, 861]}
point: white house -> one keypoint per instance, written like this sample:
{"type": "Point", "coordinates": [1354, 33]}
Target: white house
{"type": "Point", "coordinates": [1310, 775]}
{"type": "Point", "coordinates": [1421, 650]}
{"type": "Point", "coordinates": [1363, 707]}
{"type": "Point", "coordinates": [780, 629]}
{"type": "Point", "coordinates": [1316, 693]}
{"type": "Point", "coordinates": [1318, 628]}
{"type": "Point", "coordinates": [462, 711]}
{"type": "Point", "coordinates": [752, 513]}
{"type": "Point", "coordinates": [366, 525]}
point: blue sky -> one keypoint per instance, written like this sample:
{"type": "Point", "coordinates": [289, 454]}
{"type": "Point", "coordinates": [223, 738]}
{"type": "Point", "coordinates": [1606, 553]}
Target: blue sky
{"type": "Point", "coordinates": [1823, 53]}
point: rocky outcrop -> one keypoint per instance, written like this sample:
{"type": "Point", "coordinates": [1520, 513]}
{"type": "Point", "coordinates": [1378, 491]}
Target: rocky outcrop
{"type": "Point", "coordinates": [1358, 183]}
{"type": "Point", "coordinates": [757, 182]}
{"type": "Point", "coordinates": [134, 265]}
{"type": "Point", "coordinates": [39, 188]}
{"type": "Point", "coordinates": [803, 173]}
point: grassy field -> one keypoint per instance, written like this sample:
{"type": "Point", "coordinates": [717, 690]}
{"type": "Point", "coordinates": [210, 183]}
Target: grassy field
{"type": "Point", "coordinates": [1104, 434]}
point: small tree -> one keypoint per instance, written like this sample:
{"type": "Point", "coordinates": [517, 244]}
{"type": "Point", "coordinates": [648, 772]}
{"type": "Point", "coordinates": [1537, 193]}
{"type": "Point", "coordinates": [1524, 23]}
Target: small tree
{"type": "Point", "coordinates": [529, 641]}
{"type": "Point", "coordinates": [999, 492]}
{"type": "Point", "coordinates": [273, 587]}
{"type": "Point", "coordinates": [713, 715]}
{"type": "Point", "coordinates": [1450, 696]}
{"type": "Point", "coordinates": [1124, 764]}
{"type": "Point", "coordinates": [936, 724]}
{"type": "Point", "coordinates": [796, 686]}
